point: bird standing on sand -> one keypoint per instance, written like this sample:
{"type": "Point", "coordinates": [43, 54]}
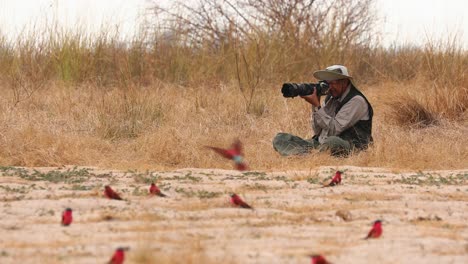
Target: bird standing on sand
{"type": "Point", "coordinates": [237, 201]}
{"type": "Point", "coordinates": [154, 190]}
{"type": "Point", "coordinates": [376, 230]}
{"type": "Point", "coordinates": [336, 179]}
{"type": "Point", "coordinates": [234, 153]}
{"type": "Point", "coordinates": [67, 217]}
{"type": "Point", "coordinates": [318, 259]}
{"type": "Point", "coordinates": [119, 256]}
{"type": "Point", "coordinates": [111, 194]}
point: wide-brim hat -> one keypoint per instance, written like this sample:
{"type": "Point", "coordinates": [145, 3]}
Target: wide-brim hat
{"type": "Point", "coordinates": [332, 73]}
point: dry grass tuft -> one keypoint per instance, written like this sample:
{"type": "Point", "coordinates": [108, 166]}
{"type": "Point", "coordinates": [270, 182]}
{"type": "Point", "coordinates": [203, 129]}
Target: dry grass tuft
{"type": "Point", "coordinates": [411, 113]}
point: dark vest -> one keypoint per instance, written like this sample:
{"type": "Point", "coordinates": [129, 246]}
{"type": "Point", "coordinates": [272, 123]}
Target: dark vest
{"type": "Point", "coordinates": [359, 135]}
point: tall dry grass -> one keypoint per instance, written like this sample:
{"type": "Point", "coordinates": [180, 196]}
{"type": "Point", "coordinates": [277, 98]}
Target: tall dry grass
{"type": "Point", "coordinates": [166, 126]}
{"type": "Point", "coordinates": [155, 101]}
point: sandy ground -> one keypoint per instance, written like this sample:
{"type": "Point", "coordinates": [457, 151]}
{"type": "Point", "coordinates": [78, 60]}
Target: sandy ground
{"type": "Point", "coordinates": [425, 216]}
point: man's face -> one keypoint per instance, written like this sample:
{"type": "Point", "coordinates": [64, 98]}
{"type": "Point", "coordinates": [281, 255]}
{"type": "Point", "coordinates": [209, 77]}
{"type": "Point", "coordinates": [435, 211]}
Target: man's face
{"type": "Point", "coordinates": [338, 87]}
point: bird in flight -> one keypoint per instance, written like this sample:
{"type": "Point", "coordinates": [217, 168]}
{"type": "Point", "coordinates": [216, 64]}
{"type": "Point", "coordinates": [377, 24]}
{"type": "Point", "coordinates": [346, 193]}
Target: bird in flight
{"type": "Point", "coordinates": [234, 153]}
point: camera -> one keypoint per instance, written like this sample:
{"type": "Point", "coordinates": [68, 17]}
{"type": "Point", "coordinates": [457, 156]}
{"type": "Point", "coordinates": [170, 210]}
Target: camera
{"type": "Point", "coordinates": [303, 89]}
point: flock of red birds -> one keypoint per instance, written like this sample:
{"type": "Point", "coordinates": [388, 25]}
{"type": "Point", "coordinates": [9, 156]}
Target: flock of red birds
{"type": "Point", "coordinates": [235, 154]}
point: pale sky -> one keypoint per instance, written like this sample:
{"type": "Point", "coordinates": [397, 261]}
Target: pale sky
{"type": "Point", "coordinates": [404, 21]}
{"type": "Point", "coordinates": [16, 15]}
{"type": "Point", "coordinates": [412, 21]}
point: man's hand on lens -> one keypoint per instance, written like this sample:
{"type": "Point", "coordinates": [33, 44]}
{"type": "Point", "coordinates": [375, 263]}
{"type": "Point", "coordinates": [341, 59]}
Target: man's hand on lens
{"type": "Point", "coordinates": [312, 98]}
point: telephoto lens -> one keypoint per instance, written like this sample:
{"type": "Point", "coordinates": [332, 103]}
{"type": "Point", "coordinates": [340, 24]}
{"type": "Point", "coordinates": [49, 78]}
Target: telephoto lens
{"type": "Point", "coordinates": [303, 89]}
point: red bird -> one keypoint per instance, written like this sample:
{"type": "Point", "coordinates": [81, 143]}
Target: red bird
{"type": "Point", "coordinates": [376, 230]}
{"type": "Point", "coordinates": [336, 179]}
{"type": "Point", "coordinates": [154, 190]}
{"type": "Point", "coordinates": [318, 259]}
{"type": "Point", "coordinates": [234, 153]}
{"type": "Point", "coordinates": [67, 217]}
{"type": "Point", "coordinates": [237, 201]}
{"type": "Point", "coordinates": [119, 256]}
{"type": "Point", "coordinates": [111, 194]}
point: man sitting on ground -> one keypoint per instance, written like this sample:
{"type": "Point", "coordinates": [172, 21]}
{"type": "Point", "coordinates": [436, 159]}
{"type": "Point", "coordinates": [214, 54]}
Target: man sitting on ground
{"type": "Point", "coordinates": [343, 124]}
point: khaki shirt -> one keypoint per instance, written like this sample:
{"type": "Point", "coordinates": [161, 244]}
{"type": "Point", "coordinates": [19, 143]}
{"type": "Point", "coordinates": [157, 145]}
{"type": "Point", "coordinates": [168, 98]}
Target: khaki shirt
{"type": "Point", "coordinates": [326, 123]}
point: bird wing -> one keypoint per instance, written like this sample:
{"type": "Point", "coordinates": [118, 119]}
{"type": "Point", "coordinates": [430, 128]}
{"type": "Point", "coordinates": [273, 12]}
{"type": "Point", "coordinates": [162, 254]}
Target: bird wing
{"type": "Point", "coordinates": [153, 189]}
{"type": "Point", "coordinates": [330, 184]}
{"type": "Point", "coordinates": [370, 234]}
{"type": "Point", "coordinates": [113, 195]}
{"type": "Point", "coordinates": [242, 204]}
{"type": "Point", "coordinates": [221, 152]}
{"type": "Point", "coordinates": [245, 205]}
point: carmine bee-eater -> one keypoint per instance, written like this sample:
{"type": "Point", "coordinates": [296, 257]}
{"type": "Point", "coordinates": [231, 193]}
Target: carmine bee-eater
{"type": "Point", "coordinates": [318, 259]}
{"type": "Point", "coordinates": [237, 201]}
{"type": "Point", "coordinates": [336, 179]}
{"type": "Point", "coordinates": [111, 194]}
{"type": "Point", "coordinates": [154, 190]}
{"type": "Point", "coordinates": [376, 230]}
{"type": "Point", "coordinates": [234, 153]}
{"type": "Point", "coordinates": [67, 217]}
{"type": "Point", "coordinates": [119, 256]}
